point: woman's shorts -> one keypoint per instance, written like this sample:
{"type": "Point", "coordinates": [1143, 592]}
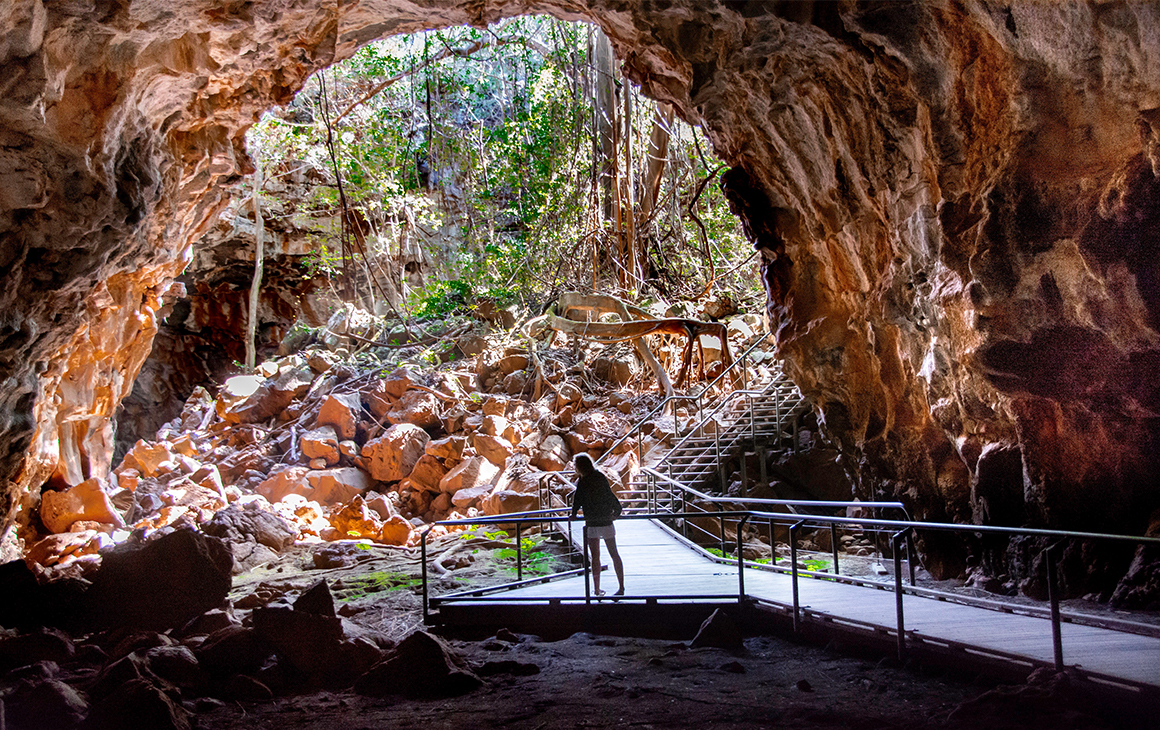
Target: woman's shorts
{"type": "Point", "coordinates": [608, 533]}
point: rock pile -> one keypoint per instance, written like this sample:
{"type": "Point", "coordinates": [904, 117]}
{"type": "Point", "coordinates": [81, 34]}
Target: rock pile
{"type": "Point", "coordinates": [130, 676]}
{"type": "Point", "coordinates": [311, 448]}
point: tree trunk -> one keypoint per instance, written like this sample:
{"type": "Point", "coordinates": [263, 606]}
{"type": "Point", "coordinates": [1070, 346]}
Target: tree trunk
{"type": "Point", "coordinates": [658, 156]}
{"type": "Point", "coordinates": [256, 282]}
{"type": "Point", "coordinates": [604, 108]}
{"type": "Point", "coordinates": [633, 264]}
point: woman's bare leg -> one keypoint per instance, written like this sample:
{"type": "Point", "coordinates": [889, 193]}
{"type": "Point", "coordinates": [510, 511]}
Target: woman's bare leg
{"type": "Point", "coordinates": [594, 561]}
{"type": "Point", "coordinates": [617, 565]}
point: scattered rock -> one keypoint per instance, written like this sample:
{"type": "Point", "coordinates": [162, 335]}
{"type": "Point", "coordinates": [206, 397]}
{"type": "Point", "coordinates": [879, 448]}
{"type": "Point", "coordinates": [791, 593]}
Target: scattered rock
{"type": "Point", "coordinates": [250, 523]}
{"type": "Point", "coordinates": [85, 501]}
{"type": "Point", "coordinates": [553, 454]}
{"type": "Point", "coordinates": [393, 455]}
{"type": "Point", "coordinates": [161, 584]}
{"type": "Point", "coordinates": [342, 412]}
{"type": "Point", "coordinates": [138, 703]}
{"type": "Point", "coordinates": [321, 443]}
{"type": "Point", "coordinates": [416, 407]}
{"type": "Point", "coordinates": [471, 473]}
{"type": "Point", "coordinates": [421, 665]}
{"type": "Point", "coordinates": [316, 599]}
{"type": "Point", "coordinates": [47, 703]}
{"type": "Point", "coordinates": [495, 449]}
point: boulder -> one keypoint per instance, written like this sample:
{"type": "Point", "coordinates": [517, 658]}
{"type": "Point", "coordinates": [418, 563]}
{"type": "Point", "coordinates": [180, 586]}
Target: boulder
{"type": "Point", "coordinates": [44, 703]}
{"type": "Point", "coordinates": [516, 383]}
{"type": "Point", "coordinates": [38, 645]}
{"type": "Point", "coordinates": [505, 502]}
{"type": "Point", "coordinates": [325, 486]}
{"type": "Point", "coordinates": [396, 530]}
{"type": "Point", "coordinates": [52, 549]}
{"type": "Point", "coordinates": [320, 443]}
{"type": "Point", "coordinates": [416, 407]}
{"type": "Point", "coordinates": [316, 599]}
{"type": "Point", "coordinates": [251, 523]}
{"type": "Point", "coordinates": [138, 703]}
{"type": "Point", "coordinates": [342, 412]}
{"type": "Point", "coordinates": [356, 520]}
{"type": "Point", "coordinates": [493, 406]}
{"type": "Point", "coordinates": [519, 476]}
{"type": "Point", "coordinates": [470, 496]}
{"type": "Point", "coordinates": [393, 455]}
{"type": "Point", "coordinates": [315, 644]}
{"type": "Point", "coordinates": [499, 426]}
{"type": "Point", "coordinates": [159, 585]}
{"type": "Point", "coordinates": [427, 473]}
{"type": "Point", "coordinates": [335, 486]}
{"type": "Point", "coordinates": [381, 506]}
{"type": "Point", "coordinates": [422, 665]}
{"type": "Point", "coordinates": [321, 361]}
{"type": "Point", "coordinates": [146, 458]}
{"type": "Point", "coordinates": [469, 473]}
{"type": "Point", "coordinates": [495, 449]}
{"type": "Point", "coordinates": [382, 395]}
{"type": "Point", "coordinates": [567, 394]}
{"type": "Point", "coordinates": [553, 454]}
{"type": "Point", "coordinates": [448, 448]}
{"type": "Point", "coordinates": [233, 650]}
{"type": "Point", "coordinates": [85, 501]}
{"type": "Point", "coordinates": [287, 481]}
{"type": "Point", "coordinates": [512, 363]}
{"type": "Point", "coordinates": [271, 397]}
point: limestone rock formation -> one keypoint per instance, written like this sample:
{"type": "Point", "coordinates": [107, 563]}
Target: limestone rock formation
{"type": "Point", "coordinates": [956, 205]}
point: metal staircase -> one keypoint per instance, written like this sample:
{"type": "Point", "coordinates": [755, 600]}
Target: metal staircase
{"type": "Point", "coordinates": [759, 419]}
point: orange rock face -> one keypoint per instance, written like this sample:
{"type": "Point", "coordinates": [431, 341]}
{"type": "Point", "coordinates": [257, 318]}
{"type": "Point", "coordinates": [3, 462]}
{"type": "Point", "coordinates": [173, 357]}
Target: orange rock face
{"type": "Point", "coordinates": [956, 205]}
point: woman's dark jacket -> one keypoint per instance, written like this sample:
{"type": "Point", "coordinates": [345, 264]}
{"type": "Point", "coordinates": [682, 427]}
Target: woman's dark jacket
{"type": "Point", "coordinates": [594, 495]}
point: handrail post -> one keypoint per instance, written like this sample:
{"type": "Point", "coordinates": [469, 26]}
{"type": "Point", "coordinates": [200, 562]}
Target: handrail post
{"type": "Point", "coordinates": [519, 552]}
{"type": "Point", "coordinates": [793, 531]}
{"type": "Point", "coordinates": [897, 539]}
{"type": "Point", "coordinates": [1053, 597]}
{"type": "Point", "coordinates": [423, 558]}
{"type": "Point", "coordinates": [834, 546]}
{"type": "Point", "coordinates": [721, 520]}
{"type": "Point", "coordinates": [740, 562]}
{"type": "Point", "coordinates": [587, 567]}
{"type": "Point", "coordinates": [911, 555]}
{"type": "Point", "coordinates": [717, 457]}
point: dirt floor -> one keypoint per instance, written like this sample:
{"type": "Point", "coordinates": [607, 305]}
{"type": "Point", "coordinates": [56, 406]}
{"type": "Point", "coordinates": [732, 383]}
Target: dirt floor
{"type": "Point", "coordinates": [589, 681]}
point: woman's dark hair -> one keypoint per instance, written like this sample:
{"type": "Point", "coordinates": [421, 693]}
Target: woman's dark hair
{"type": "Point", "coordinates": [584, 464]}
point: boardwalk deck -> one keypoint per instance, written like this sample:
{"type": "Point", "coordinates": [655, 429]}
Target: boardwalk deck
{"type": "Point", "coordinates": [656, 564]}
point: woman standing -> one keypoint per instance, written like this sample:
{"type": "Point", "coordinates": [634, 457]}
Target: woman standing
{"type": "Point", "coordinates": [594, 495]}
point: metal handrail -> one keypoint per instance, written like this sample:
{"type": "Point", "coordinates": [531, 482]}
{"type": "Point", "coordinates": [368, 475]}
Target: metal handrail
{"type": "Point", "coordinates": [668, 400]}
{"type": "Point", "coordinates": [904, 533]}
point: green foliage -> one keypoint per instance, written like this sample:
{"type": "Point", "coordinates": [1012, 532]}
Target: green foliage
{"type": "Point", "coordinates": [376, 582]}
{"type": "Point", "coordinates": [439, 299]}
{"type": "Point", "coordinates": [478, 150]}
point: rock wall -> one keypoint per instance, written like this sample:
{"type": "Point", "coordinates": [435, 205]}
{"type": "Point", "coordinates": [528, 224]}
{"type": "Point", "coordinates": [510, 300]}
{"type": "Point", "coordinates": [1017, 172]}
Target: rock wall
{"type": "Point", "coordinates": [955, 203]}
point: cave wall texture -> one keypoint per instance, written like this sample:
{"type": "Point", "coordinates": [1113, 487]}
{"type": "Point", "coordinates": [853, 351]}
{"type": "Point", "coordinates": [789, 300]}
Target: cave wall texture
{"type": "Point", "coordinates": [957, 204]}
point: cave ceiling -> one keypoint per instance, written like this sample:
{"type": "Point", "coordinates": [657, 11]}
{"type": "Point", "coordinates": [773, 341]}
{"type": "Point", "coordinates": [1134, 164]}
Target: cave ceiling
{"type": "Point", "coordinates": [956, 202]}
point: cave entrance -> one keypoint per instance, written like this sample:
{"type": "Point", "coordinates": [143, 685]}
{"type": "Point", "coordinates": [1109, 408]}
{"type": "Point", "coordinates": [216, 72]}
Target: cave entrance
{"type": "Point", "coordinates": [440, 169]}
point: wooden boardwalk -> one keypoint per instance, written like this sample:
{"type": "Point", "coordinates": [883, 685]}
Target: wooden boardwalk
{"type": "Point", "coordinates": [657, 564]}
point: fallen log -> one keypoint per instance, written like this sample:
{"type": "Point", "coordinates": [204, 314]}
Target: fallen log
{"type": "Point", "coordinates": [612, 332]}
